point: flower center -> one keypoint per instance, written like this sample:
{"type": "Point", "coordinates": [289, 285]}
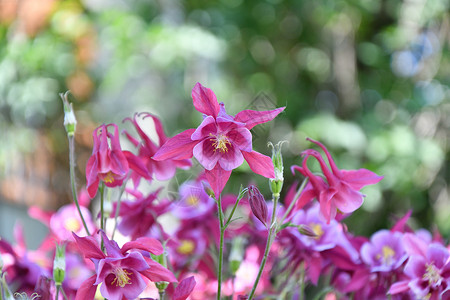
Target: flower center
{"type": "Point", "coordinates": [386, 256]}
{"type": "Point", "coordinates": [317, 229]}
{"type": "Point", "coordinates": [433, 275]}
{"type": "Point", "coordinates": [192, 200]}
{"type": "Point", "coordinates": [122, 277]}
{"type": "Point", "coordinates": [186, 247]}
{"type": "Point", "coordinates": [220, 142]}
{"type": "Point", "coordinates": [109, 178]}
{"type": "Point", "coordinates": [72, 224]}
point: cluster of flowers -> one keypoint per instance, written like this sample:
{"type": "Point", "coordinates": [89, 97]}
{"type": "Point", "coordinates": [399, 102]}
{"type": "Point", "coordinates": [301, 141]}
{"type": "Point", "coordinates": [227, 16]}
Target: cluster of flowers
{"type": "Point", "coordinates": [270, 248]}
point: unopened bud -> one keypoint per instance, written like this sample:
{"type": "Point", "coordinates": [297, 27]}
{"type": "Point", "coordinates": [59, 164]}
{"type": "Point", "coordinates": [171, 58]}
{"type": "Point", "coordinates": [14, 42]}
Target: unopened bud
{"type": "Point", "coordinates": [236, 254]}
{"type": "Point", "coordinates": [258, 204]}
{"type": "Point", "coordinates": [276, 184]}
{"type": "Point", "coordinates": [59, 265]}
{"type": "Point", "coordinates": [70, 122]}
{"type": "Point", "coordinates": [306, 230]}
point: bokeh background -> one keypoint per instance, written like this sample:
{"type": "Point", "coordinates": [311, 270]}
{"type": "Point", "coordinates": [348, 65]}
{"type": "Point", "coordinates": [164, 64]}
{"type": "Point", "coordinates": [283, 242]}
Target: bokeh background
{"type": "Point", "coordinates": [368, 78]}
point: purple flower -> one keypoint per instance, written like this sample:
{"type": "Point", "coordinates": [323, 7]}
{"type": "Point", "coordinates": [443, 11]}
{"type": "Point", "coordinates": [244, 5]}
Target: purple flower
{"type": "Point", "coordinates": [194, 201]}
{"type": "Point", "coordinates": [221, 142]}
{"type": "Point", "coordinates": [384, 252]}
{"type": "Point", "coordinates": [121, 271]}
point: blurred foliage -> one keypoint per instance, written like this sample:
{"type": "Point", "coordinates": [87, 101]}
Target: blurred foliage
{"type": "Point", "coordinates": [370, 79]}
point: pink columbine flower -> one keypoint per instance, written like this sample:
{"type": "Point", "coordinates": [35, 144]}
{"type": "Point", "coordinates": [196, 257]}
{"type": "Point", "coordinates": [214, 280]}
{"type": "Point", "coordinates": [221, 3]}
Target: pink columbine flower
{"type": "Point", "coordinates": [194, 202]}
{"type": "Point", "coordinates": [161, 170]}
{"type": "Point", "coordinates": [341, 191]}
{"type": "Point", "coordinates": [121, 271]}
{"type": "Point", "coordinates": [107, 162]}
{"type": "Point", "coordinates": [221, 142]}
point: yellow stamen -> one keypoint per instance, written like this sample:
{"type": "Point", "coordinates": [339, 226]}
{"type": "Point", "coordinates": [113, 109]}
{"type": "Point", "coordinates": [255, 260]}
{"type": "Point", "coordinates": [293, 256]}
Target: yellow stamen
{"type": "Point", "coordinates": [220, 142]}
{"type": "Point", "coordinates": [122, 277]}
{"type": "Point", "coordinates": [192, 200]}
{"type": "Point", "coordinates": [109, 178]}
{"type": "Point", "coordinates": [317, 229]}
{"type": "Point", "coordinates": [186, 247]}
{"type": "Point", "coordinates": [72, 224]}
{"type": "Point", "coordinates": [433, 275]}
{"type": "Point", "coordinates": [386, 256]}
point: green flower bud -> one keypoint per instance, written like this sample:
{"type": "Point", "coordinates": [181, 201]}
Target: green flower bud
{"type": "Point", "coordinates": [276, 184]}
{"type": "Point", "coordinates": [59, 264]}
{"type": "Point", "coordinates": [70, 122]}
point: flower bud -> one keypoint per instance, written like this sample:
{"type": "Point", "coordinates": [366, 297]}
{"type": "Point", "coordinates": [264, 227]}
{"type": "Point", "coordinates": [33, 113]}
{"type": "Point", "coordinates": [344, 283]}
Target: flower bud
{"type": "Point", "coordinates": [306, 230]}
{"type": "Point", "coordinates": [236, 254]}
{"type": "Point", "coordinates": [276, 184]}
{"type": "Point", "coordinates": [59, 265]}
{"type": "Point", "coordinates": [258, 204]}
{"type": "Point", "coordinates": [70, 122]}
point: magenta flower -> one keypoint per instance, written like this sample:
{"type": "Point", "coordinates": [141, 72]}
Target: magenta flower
{"type": "Point", "coordinates": [222, 142]}
{"type": "Point", "coordinates": [427, 269]}
{"type": "Point", "coordinates": [161, 170]}
{"type": "Point", "coordinates": [67, 220]}
{"type": "Point", "coordinates": [384, 252]}
{"type": "Point", "coordinates": [121, 272]}
{"type": "Point", "coordinates": [341, 191]}
{"type": "Point", "coordinates": [194, 202]}
{"type": "Point", "coordinates": [107, 163]}
{"type": "Point", "coordinates": [258, 204]}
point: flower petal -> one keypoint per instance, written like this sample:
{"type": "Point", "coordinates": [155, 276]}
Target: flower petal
{"type": "Point", "coordinates": [242, 138]}
{"type": "Point", "coordinates": [259, 163]}
{"type": "Point", "coordinates": [357, 179]}
{"type": "Point", "coordinates": [87, 289]}
{"type": "Point", "coordinates": [231, 159]}
{"type": "Point", "coordinates": [252, 117]}
{"type": "Point", "coordinates": [89, 246]}
{"type": "Point", "coordinates": [205, 101]}
{"type": "Point", "coordinates": [179, 147]}
{"type": "Point", "coordinates": [144, 243]}
{"type": "Point", "coordinates": [157, 272]}
{"type": "Point", "coordinates": [184, 288]}
{"type": "Point", "coordinates": [217, 179]}
{"type": "Point", "coordinates": [206, 154]}
{"type": "Point", "coordinates": [207, 127]}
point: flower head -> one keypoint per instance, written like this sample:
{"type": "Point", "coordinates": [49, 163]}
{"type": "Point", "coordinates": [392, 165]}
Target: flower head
{"type": "Point", "coordinates": [221, 142]}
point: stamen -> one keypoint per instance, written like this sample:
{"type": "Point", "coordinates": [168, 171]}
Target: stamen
{"type": "Point", "coordinates": [192, 200]}
{"type": "Point", "coordinates": [186, 247]}
{"type": "Point", "coordinates": [109, 178]}
{"type": "Point", "coordinates": [317, 229]}
{"type": "Point", "coordinates": [122, 277]}
{"type": "Point", "coordinates": [433, 275]}
{"type": "Point", "coordinates": [220, 142]}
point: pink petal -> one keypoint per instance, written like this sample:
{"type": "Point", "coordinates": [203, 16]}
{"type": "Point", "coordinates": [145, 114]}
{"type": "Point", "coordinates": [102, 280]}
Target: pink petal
{"type": "Point", "coordinates": [359, 280]}
{"type": "Point", "coordinates": [205, 100]}
{"type": "Point", "coordinates": [157, 272]}
{"type": "Point", "coordinates": [111, 246]}
{"type": "Point", "coordinates": [207, 127]}
{"type": "Point", "coordinates": [217, 179]}
{"type": "Point", "coordinates": [414, 245]}
{"type": "Point", "coordinates": [87, 289]}
{"type": "Point", "coordinates": [164, 170]}
{"type": "Point", "coordinates": [184, 288]}
{"type": "Point", "coordinates": [357, 179]}
{"type": "Point", "coordinates": [242, 138]}
{"type": "Point", "coordinates": [89, 246]}
{"type": "Point", "coordinates": [144, 243]}
{"type": "Point", "coordinates": [347, 199]}
{"type": "Point", "coordinates": [158, 127]}
{"type": "Point", "coordinates": [179, 147]}
{"type": "Point", "coordinates": [401, 224]}
{"type": "Point", "coordinates": [92, 180]}
{"type": "Point", "coordinates": [206, 154]}
{"type": "Point", "coordinates": [252, 117]}
{"type": "Point", "coordinates": [231, 159]}
{"type": "Point", "coordinates": [136, 164]}
{"type": "Point", "coordinates": [260, 164]}
{"type": "Point", "coordinates": [399, 287]}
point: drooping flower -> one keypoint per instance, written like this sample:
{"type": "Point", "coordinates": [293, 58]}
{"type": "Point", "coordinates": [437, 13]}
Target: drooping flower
{"type": "Point", "coordinates": [161, 170]}
{"type": "Point", "coordinates": [222, 142]}
{"type": "Point", "coordinates": [121, 271]}
{"type": "Point", "coordinates": [341, 191]}
{"type": "Point", "coordinates": [107, 162]}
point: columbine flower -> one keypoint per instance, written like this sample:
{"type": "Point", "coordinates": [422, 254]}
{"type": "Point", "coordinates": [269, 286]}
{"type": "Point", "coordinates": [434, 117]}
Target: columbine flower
{"type": "Point", "coordinates": [107, 163]}
{"type": "Point", "coordinates": [341, 192]}
{"type": "Point", "coordinates": [384, 252]}
{"type": "Point", "coordinates": [161, 170]}
{"type": "Point", "coordinates": [221, 142]}
{"type": "Point", "coordinates": [121, 271]}
{"type": "Point", "coordinates": [194, 202]}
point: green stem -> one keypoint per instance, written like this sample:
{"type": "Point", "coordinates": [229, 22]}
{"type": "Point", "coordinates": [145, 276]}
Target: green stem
{"type": "Point", "coordinates": [240, 196]}
{"type": "Point", "coordinates": [162, 295]}
{"type": "Point", "coordinates": [116, 216]}
{"type": "Point", "coordinates": [270, 237]}
{"type": "Point", "coordinates": [302, 281]}
{"type": "Point", "coordinates": [222, 232]}
{"type": "Point", "coordinates": [72, 179]}
{"type": "Point", "coordinates": [57, 291]}
{"type": "Point", "coordinates": [64, 294]}
{"type": "Point", "coordinates": [102, 198]}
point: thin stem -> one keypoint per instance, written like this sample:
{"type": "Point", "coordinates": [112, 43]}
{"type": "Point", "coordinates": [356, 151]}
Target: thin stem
{"type": "Point", "coordinates": [72, 179]}
{"type": "Point", "coordinates": [270, 237]}
{"type": "Point", "coordinates": [291, 206]}
{"type": "Point", "coordinates": [222, 231]}
{"type": "Point", "coordinates": [240, 196]}
{"type": "Point", "coordinates": [162, 295]}
{"type": "Point", "coordinates": [302, 282]}
{"type": "Point", "coordinates": [102, 199]}
{"type": "Point", "coordinates": [57, 291]}
{"type": "Point", "coordinates": [116, 216]}
{"type": "Point", "coordinates": [64, 293]}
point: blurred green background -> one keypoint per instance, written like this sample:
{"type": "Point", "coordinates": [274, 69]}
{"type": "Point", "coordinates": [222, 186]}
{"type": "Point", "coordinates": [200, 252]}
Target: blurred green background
{"type": "Point", "coordinates": [369, 79]}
